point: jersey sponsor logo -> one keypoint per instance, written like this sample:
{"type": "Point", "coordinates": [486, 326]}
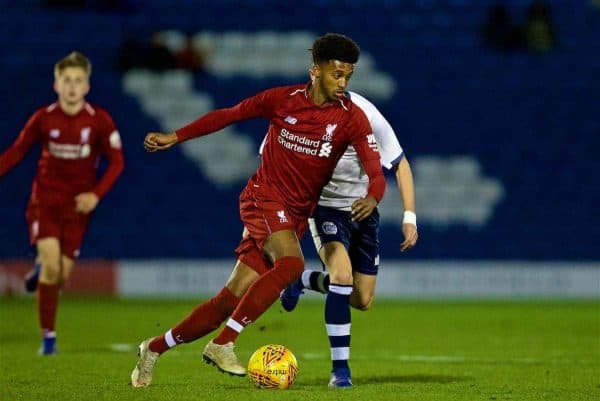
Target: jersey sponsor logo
{"type": "Point", "coordinates": [54, 133]}
{"type": "Point", "coordinates": [328, 137]}
{"type": "Point", "coordinates": [115, 140]}
{"type": "Point", "coordinates": [69, 151]}
{"type": "Point", "coordinates": [85, 134]}
{"type": "Point", "coordinates": [325, 150]}
{"type": "Point", "coordinates": [329, 228]}
{"type": "Point", "coordinates": [372, 142]}
{"type": "Point", "coordinates": [282, 217]}
{"type": "Point", "coordinates": [291, 120]}
{"type": "Point", "coordinates": [298, 143]}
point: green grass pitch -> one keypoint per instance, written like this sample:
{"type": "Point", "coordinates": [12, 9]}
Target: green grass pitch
{"type": "Point", "coordinates": [401, 350]}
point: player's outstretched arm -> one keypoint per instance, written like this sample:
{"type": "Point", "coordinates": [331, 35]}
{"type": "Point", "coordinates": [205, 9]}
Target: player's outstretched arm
{"type": "Point", "coordinates": [158, 141]}
{"type": "Point", "coordinates": [404, 178]}
{"type": "Point", "coordinates": [259, 105]}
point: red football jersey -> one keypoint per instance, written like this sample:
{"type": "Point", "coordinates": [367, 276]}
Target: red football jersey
{"type": "Point", "coordinates": [303, 143]}
{"type": "Point", "coordinates": [71, 146]}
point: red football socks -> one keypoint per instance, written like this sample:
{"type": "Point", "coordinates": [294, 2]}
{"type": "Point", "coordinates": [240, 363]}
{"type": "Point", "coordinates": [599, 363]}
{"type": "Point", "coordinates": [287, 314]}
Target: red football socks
{"type": "Point", "coordinates": [260, 296]}
{"type": "Point", "coordinates": [202, 320]}
{"type": "Point", "coordinates": [47, 305]}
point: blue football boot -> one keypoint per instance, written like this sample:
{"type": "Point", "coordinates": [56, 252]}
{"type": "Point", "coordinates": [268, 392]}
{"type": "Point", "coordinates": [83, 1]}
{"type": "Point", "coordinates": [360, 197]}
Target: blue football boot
{"type": "Point", "coordinates": [290, 295]}
{"type": "Point", "coordinates": [48, 346]}
{"type": "Point", "coordinates": [340, 378]}
{"type": "Point", "coordinates": [32, 278]}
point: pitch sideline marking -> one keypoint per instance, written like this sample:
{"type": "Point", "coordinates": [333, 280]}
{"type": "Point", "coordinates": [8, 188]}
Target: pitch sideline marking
{"type": "Point", "coordinates": [439, 359]}
{"type": "Point", "coordinates": [430, 358]}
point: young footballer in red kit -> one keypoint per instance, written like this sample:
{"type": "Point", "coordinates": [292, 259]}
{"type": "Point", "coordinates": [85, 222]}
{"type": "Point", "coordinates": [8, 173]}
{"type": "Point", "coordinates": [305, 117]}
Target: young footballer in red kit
{"type": "Point", "coordinates": [311, 125]}
{"type": "Point", "coordinates": [73, 134]}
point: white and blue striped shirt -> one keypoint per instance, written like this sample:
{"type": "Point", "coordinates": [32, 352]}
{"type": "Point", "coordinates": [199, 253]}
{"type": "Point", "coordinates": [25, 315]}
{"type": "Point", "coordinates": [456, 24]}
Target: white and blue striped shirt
{"type": "Point", "coordinates": [349, 181]}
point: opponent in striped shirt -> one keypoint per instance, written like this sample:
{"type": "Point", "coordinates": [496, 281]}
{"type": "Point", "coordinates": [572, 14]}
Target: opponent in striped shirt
{"type": "Point", "coordinates": [349, 248]}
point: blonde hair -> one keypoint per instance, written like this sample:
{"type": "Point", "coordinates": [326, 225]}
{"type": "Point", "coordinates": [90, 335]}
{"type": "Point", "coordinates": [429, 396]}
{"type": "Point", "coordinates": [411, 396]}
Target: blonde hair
{"type": "Point", "coordinates": [74, 59]}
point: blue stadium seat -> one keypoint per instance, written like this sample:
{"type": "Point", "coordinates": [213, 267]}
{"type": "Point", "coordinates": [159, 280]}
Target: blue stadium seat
{"type": "Point", "coordinates": [519, 114]}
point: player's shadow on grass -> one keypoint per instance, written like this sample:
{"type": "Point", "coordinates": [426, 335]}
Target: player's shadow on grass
{"type": "Point", "coordinates": [391, 379]}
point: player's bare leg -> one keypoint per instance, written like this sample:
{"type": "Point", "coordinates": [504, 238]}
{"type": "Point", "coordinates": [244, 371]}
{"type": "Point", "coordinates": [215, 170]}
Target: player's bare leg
{"type": "Point", "coordinates": [283, 249]}
{"type": "Point", "coordinates": [281, 244]}
{"type": "Point", "coordinates": [49, 256]}
{"type": "Point", "coordinates": [66, 269]}
{"type": "Point", "coordinates": [240, 279]}
{"type": "Point", "coordinates": [48, 250]}
{"type": "Point", "coordinates": [310, 279]}
{"type": "Point", "coordinates": [363, 292]}
{"type": "Point", "coordinates": [205, 318]}
{"type": "Point", "coordinates": [337, 261]}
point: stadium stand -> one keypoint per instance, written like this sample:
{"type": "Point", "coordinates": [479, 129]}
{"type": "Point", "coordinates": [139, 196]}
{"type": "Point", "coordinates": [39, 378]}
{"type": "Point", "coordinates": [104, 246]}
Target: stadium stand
{"type": "Point", "coordinates": [526, 122]}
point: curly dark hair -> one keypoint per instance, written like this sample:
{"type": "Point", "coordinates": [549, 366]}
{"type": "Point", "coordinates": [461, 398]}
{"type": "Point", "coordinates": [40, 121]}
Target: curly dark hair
{"type": "Point", "coordinates": [335, 46]}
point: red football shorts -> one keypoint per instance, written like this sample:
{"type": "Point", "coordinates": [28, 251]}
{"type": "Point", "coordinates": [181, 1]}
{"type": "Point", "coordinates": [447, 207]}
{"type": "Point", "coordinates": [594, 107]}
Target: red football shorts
{"type": "Point", "coordinates": [57, 219]}
{"type": "Point", "coordinates": [263, 214]}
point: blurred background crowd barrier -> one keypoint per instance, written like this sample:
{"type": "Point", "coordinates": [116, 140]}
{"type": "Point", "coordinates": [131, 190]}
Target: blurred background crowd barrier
{"type": "Point", "coordinates": [495, 103]}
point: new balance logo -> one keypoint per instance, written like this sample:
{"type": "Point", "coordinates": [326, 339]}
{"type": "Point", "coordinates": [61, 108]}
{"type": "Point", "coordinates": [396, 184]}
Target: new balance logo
{"type": "Point", "coordinates": [291, 120]}
{"type": "Point", "coordinates": [281, 215]}
{"type": "Point", "coordinates": [325, 150]}
{"type": "Point", "coordinates": [372, 142]}
{"type": "Point", "coordinates": [328, 137]}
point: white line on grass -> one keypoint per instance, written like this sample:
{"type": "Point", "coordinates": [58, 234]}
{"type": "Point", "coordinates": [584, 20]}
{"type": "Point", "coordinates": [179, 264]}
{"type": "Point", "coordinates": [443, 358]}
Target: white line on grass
{"type": "Point", "coordinates": [429, 358]}
{"type": "Point", "coordinates": [121, 347]}
{"type": "Point", "coordinates": [434, 359]}
{"type": "Point", "coordinates": [129, 348]}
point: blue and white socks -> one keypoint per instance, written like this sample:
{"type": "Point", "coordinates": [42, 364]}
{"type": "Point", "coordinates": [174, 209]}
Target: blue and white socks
{"type": "Point", "coordinates": [315, 280]}
{"type": "Point", "coordinates": [337, 323]}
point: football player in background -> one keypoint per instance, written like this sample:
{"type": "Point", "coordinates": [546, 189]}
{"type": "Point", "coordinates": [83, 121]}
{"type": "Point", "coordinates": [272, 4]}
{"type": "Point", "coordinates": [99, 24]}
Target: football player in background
{"type": "Point", "coordinates": [73, 135]}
